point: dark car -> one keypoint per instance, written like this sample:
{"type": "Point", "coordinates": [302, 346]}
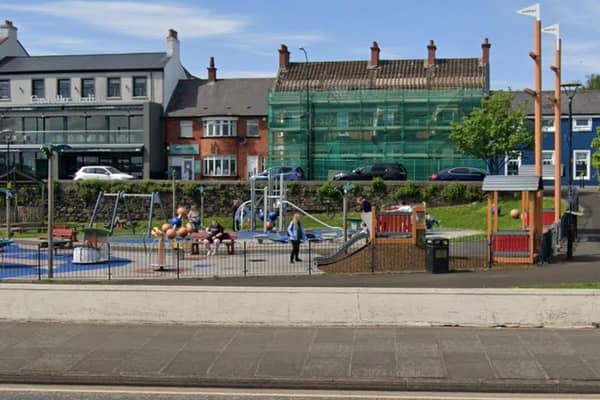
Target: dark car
{"type": "Point", "coordinates": [388, 171]}
{"type": "Point", "coordinates": [289, 173]}
{"type": "Point", "coordinates": [459, 174]}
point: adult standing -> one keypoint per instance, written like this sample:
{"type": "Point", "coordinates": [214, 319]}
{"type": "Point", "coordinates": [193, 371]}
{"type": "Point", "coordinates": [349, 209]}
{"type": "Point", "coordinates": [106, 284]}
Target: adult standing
{"type": "Point", "coordinates": [194, 217]}
{"type": "Point", "coordinates": [296, 232]}
{"type": "Point", "coordinates": [365, 210]}
{"type": "Point", "coordinates": [235, 217]}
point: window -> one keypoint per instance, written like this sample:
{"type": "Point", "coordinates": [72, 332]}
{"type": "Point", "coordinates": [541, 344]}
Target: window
{"type": "Point", "coordinates": [581, 164]}
{"type": "Point", "coordinates": [63, 87]}
{"type": "Point", "coordinates": [547, 157]}
{"type": "Point", "coordinates": [139, 86]}
{"type": "Point", "coordinates": [185, 129]}
{"type": "Point", "coordinates": [220, 166]}
{"type": "Point", "coordinates": [4, 89]}
{"type": "Point", "coordinates": [87, 88]}
{"type": "Point", "coordinates": [548, 124]}
{"type": "Point", "coordinates": [38, 88]}
{"type": "Point", "coordinates": [113, 87]}
{"type": "Point", "coordinates": [512, 164]}
{"type": "Point", "coordinates": [582, 124]}
{"type": "Point", "coordinates": [220, 127]}
{"type": "Point", "coordinates": [252, 127]}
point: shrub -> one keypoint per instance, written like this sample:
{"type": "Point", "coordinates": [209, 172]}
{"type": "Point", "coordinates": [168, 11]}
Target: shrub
{"type": "Point", "coordinates": [431, 192]}
{"type": "Point", "coordinates": [329, 191]}
{"type": "Point", "coordinates": [378, 185]}
{"type": "Point", "coordinates": [410, 191]}
{"type": "Point", "coordinates": [454, 193]}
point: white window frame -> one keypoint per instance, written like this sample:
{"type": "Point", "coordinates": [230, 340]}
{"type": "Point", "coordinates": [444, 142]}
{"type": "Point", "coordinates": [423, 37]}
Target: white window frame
{"type": "Point", "coordinates": [545, 164]}
{"type": "Point", "coordinates": [219, 165]}
{"type": "Point", "coordinates": [547, 127]}
{"type": "Point", "coordinates": [219, 127]}
{"type": "Point", "coordinates": [588, 160]}
{"type": "Point", "coordinates": [252, 122]}
{"type": "Point", "coordinates": [186, 129]}
{"type": "Point", "coordinates": [517, 159]}
{"type": "Point", "coordinates": [582, 128]}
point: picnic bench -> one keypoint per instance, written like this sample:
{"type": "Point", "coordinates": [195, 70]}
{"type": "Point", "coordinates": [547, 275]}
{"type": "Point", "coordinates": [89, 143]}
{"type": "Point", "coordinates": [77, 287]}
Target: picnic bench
{"type": "Point", "coordinates": [64, 233]}
{"type": "Point", "coordinates": [198, 239]}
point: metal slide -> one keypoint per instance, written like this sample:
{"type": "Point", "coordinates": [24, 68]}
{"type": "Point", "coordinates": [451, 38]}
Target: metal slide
{"type": "Point", "coordinates": [310, 216]}
{"type": "Point", "coordinates": [344, 251]}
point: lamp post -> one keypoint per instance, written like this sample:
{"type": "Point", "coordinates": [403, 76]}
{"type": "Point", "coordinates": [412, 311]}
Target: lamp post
{"type": "Point", "coordinates": [570, 89]}
{"type": "Point", "coordinates": [49, 150]}
{"type": "Point", "coordinates": [8, 136]}
{"type": "Point", "coordinates": [309, 173]}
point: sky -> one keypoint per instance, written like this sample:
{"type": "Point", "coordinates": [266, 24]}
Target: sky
{"type": "Point", "coordinates": [244, 35]}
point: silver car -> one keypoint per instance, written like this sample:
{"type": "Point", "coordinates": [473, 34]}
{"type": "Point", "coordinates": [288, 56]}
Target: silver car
{"type": "Point", "coordinates": [100, 172]}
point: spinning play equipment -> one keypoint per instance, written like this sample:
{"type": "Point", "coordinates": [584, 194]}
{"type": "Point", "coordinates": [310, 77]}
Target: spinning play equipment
{"type": "Point", "coordinates": [95, 247]}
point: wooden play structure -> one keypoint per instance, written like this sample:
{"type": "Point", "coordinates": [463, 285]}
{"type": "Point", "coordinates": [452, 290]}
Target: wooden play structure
{"type": "Point", "coordinates": [393, 226]}
{"type": "Point", "coordinates": [514, 246]}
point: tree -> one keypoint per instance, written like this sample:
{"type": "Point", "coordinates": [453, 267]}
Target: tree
{"type": "Point", "coordinates": [593, 81]}
{"type": "Point", "coordinates": [493, 131]}
{"type": "Point", "coordinates": [596, 154]}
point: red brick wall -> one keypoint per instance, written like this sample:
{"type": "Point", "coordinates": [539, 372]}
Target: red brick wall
{"type": "Point", "coordinates": [223, 145]}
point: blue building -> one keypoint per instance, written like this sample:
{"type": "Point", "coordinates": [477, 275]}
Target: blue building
{"type": "Point", "coordinates": [586, 120]}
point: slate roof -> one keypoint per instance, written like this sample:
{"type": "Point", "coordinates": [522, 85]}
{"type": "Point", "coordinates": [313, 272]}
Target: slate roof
{"type": "Point", "coordinates": [242, 96]}
{"type": "Point", "coordinates": [585, 102]}
{"type": "Point", "coordinates": [87, 62]}
{"type": "Point", "coordinates": [447, 73]}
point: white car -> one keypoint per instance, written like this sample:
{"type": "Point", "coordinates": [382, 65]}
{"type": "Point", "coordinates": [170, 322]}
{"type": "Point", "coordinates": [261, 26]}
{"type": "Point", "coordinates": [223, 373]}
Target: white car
{"type": "Point", "coordinates": [100, 172]}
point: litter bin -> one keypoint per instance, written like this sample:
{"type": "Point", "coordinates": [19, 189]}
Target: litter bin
{"type": "Point", "coordinates": [436, 255]}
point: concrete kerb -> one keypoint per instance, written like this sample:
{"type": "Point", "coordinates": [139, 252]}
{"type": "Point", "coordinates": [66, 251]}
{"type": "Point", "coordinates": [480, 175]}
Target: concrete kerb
{"type": "Point", "coordinates": [306, 306]}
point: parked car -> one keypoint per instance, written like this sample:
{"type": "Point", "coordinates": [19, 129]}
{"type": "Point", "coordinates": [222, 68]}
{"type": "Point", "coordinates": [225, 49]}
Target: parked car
{"type": "Point", "coordinates": [100, 172]}
{"type": "Point", "coordinates": [459, 174]}
{"type": "Point", "coordinates": [289, 173]}
{"type": "Point", "coordinates": [389, 171]}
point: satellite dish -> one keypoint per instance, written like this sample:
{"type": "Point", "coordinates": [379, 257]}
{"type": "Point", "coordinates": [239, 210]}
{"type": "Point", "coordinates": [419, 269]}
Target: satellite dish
{"type": "Point", "coordinates": [242, 139]}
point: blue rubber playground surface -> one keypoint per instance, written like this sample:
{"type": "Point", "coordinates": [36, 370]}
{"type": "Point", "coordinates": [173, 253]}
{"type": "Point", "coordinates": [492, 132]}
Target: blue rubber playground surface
{"type": "Point", "coordinates": [20, 261]}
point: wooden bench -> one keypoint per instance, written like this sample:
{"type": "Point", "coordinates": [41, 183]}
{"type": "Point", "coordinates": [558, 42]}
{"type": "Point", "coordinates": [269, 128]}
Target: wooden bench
{"type": "Point", "coordinates": [198, 239]}
{"type": "Point", "coordinates": [63, 232]}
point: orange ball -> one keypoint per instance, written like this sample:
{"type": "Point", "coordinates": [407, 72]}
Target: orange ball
{"type": "Point", "coordinates": [182, 232]}
{"type": "Point", "coordinates": [181, 211]}
{"type": "Point", "coordinates": [165, 227]}
{"type": "Point", "coordinates": [514, 213]}
{"type": "Point", "coordinates": [171, 234]}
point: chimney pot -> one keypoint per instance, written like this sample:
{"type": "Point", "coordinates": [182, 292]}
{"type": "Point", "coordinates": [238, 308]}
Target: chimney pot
{"type": "Point", "coordinates": [212, 71]}
{"type": "Point", "coordinates": [431, 48]}
{"type": "Point", "coordinates": [284, 57]}
{"type": "Point", "coordinates": [172, 34]}
{"type": "Point", "coordinates": [8, 23]}
{"type": "Point", "coordinates": [8, 30]}
{"type": "Point", "coordinates": [374, 61]}
{"type": "Point", "coordinates": [485, 51]}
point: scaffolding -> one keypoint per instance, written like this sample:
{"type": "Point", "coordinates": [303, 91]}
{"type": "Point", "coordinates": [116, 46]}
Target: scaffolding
{"type": "Point", "coordinates": [330, 131]}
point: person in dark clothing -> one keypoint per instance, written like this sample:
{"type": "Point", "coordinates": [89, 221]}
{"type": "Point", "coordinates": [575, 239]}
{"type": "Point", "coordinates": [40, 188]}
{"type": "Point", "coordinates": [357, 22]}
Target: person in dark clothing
{"type": "Point", "coordinates": [235, 221]}
{"type": "Point", "coordinates": [365, 210]}
{"type": "Point", "coordinates": [215, 235]}
{"type": "Point", "coordinates": [296, 232]}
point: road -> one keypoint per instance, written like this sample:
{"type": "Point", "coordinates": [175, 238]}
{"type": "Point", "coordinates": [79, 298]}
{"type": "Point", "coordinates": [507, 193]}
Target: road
{"type": "Point", "coordinates": [140, 393]}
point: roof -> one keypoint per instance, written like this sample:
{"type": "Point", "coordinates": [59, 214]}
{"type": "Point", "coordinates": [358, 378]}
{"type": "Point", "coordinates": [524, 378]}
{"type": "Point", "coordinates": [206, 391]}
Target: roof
{"type": "Point", "coordinates": [198, 97]}
{"type": "Point", "coordinates": [512, 183]}
{"type": "Point", "coordinates": [89, 62]}
{"type": "Point", "coordinates": [585, 102]}
{"type": "Point", "coordinates": [450, 73]}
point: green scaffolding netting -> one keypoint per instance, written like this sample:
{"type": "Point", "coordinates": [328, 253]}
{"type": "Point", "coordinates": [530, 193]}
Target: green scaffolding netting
{"type": "Point", "coordinates": [325, 132]}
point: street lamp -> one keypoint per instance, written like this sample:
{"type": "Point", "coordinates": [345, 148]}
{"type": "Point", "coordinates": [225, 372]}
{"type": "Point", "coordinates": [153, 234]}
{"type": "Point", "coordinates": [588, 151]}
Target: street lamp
{"type": "Point", "coordinates": [570, 89]}
{"type": "Point", "coordinates": [49, 150]}
{"type": "Point", "coordinates": [308, 119]}
{"type": "Point", "coordinates": [8, 135]}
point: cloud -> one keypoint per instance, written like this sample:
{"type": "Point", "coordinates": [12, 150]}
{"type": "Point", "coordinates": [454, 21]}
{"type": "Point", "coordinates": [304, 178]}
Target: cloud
{"type": "Point", "coordinates": [58, 44]}
{"type": "Point", "coordinates": [138, 19]}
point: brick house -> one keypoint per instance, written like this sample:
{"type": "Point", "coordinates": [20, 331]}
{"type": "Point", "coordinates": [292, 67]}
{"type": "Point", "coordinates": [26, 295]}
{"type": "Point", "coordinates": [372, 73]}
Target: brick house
{"type": "Point", "coordinates": [217, 128]}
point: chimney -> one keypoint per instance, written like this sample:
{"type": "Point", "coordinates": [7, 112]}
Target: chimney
{"type": "Point", "coordinates": [485, 51]}
{"type": "Point", "coordinates": [172, 44]}
{"type": "Point", "coordinates": [212, 71]}
{"type": "Point", "coordinates": [374, 62]}
{"type": "Point", "coordinates": [8, 30]}
{"type": "Point", "coordinates": [431, 53]}
{"type": "Point", "coordinates": [284, 58]}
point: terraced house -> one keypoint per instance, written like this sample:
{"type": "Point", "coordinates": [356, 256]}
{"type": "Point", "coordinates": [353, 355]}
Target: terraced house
{"type": "Point", "coordinates": [328, 116]}
{"type": "Point", "coordinates": [107, 107]}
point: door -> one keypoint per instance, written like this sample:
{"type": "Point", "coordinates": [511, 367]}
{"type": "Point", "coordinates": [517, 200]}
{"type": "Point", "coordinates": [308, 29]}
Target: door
{"type": "Point", "coordinates": [252, 166]}
{"type": "Point", "coordinates": [187, 169]}
{"type": "Point", "coordinates": [182, 168]}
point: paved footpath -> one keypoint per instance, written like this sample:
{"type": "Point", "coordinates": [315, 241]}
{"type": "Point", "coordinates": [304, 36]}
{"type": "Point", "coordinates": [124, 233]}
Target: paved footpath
{"type": "Point", "coordinates": [385, 358]}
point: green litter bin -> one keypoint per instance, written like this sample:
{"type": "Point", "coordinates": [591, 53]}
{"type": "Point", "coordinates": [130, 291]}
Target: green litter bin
{"type": "Point", "coordinates": [437, 255]}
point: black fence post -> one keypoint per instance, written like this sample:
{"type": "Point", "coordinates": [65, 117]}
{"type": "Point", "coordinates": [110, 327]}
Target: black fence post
{"type": "Point", "coordinates": [490, 252]}
{"type": "Point", "coordinates": [245, 261]}
{"type": "Point", "coordinates": [177, 249]}
{"type": "Point", "coordinates": [309, 257]}
{"type": "Point", "coordinates": [109, 269]}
